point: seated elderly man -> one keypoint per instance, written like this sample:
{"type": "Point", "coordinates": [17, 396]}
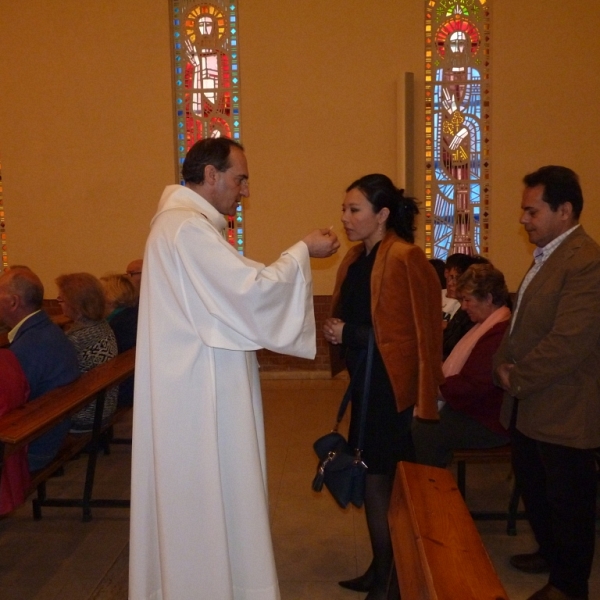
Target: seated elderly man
{"type": "Point", "coordinates": [46, 356]}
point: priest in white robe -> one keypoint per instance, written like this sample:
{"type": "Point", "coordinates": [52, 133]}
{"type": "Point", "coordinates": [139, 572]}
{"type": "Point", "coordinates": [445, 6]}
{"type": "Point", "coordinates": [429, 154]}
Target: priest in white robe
{"type": "Point", "coordinates": [199, 506]}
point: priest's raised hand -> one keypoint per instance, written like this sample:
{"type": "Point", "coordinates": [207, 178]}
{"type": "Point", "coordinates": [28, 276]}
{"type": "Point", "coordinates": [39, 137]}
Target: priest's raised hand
{"type": "Point", "coordinates": [322, 243]}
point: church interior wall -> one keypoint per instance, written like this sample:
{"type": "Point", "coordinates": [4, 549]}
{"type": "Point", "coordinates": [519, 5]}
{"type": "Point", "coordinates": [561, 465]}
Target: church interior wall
{"type": "Point", "coordinates": [86, 129]}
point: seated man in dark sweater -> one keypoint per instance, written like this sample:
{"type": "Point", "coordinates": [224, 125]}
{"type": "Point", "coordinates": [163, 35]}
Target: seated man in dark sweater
{"type": "Point", "coordinates": [46, 356]}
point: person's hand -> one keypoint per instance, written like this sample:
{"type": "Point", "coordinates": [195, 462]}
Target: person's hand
{"type": "Point", "coordinates": [322, 243]}
{"type": "Point", "coordinates": [332, 330]}
{"type": "Point", "coordinates": [503, 373]}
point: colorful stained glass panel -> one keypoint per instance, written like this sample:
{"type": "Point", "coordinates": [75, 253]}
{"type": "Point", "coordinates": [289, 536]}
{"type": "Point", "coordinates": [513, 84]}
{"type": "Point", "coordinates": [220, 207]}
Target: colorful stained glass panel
{"type": "Point", "coordinates": [206, 81]}
{"type": "Point", "coordinates": [457, 115]}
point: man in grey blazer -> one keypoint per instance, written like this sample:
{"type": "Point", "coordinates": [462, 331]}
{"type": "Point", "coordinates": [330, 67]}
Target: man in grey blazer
{"type": "Point", "coordinates": [549, 365]}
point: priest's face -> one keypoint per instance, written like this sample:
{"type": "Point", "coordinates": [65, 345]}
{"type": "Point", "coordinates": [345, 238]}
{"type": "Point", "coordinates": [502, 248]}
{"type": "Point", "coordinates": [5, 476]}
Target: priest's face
{"type": "Point", "coordinates": [231, 185]}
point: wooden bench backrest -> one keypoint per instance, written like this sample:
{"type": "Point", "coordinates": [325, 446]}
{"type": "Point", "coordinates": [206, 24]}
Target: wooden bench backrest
{"type": "Point", "coordinates": [32, 419]}
{"type": "Point", "coordinates": [438, 552]}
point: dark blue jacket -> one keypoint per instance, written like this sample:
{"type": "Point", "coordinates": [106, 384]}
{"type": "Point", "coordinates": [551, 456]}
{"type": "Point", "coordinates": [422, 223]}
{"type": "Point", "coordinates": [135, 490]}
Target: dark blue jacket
{"type": "Point", "coordinates": [49, 360]}
{"type": "Point", "coordinates": [124, 325]}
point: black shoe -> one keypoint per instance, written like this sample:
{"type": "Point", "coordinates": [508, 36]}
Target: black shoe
{"type": "Point", "coordinates": [530, 563]}
{"type": "Point", "coordinates": [364, 583]}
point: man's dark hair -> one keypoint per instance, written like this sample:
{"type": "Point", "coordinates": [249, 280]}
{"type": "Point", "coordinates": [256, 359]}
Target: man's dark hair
{"type": "Point", "coordinates": [560, 185]}
{"type": "Point", "coordinates": [211, 151]}
{"type": "Point", "coordinates": [461, 262]}
{"type": "Point", "coordinates": [27, 285]}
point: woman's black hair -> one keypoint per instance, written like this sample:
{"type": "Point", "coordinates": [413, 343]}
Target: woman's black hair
{"type": "Point", "coordinates": [382, 193]}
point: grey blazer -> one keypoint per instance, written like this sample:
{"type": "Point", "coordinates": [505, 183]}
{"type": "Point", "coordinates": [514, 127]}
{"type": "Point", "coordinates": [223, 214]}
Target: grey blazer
{"type": "Point", "coordinates": [555, 346]}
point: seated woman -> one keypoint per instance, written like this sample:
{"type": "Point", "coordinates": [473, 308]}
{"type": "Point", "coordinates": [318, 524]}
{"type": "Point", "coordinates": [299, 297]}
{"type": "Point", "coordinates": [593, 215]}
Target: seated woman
{"type": "Point", "coordinates": [122, 315]}
{"type": "Point", "coordinates": [14, 391]}
{"type": "Point", "coordinates": [82, 299]}
{"type": "Point", "coordinates": [469, 417]}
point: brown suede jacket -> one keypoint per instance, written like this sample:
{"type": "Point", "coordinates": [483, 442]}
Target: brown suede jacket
{"type": "Point", "coordinates": [406, 312]}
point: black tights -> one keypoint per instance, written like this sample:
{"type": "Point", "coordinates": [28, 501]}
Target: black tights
{"type": "Point", "coordinates": [377, 502]}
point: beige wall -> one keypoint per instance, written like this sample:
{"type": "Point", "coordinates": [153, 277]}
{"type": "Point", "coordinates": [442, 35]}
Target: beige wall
{"type": "Point", "coordinates": [86, 123]}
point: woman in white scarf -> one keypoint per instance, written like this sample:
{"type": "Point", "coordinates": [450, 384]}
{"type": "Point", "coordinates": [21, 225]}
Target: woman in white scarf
{"type": "Point", "coordinates": [469, 400]}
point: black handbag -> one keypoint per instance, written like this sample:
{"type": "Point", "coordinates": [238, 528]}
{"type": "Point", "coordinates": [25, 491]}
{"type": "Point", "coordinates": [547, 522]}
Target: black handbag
{"type": "Point", "coordinates": [341, 467]}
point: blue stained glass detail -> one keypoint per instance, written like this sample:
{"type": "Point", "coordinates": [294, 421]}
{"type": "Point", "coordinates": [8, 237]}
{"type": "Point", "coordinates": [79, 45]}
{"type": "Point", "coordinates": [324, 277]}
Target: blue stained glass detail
{"type": "Point", "coordinates": [178, 58]}
{"type": "Point", "coordinates": [178, 46]}
{"type": "Point", "coordinates": [181, 136]}
{"type": "Point", "coordinates": [238, 219]}
{"type": "Point", "coordinates": [233, 43]}
{"type": "Point", "coordinates": [236, 135]}
{"type": "Point", "coordinates": [235, 80]}
{"type": "Point", "coordinates": [177, 34]}
{"type": "Point", "coordinates": [236, 111]}
{"type": "Point", "coordinates": [178, 70]}
{"type": "Point", "coordinates": [240, 231]}
{"type": "Point", "coordinates": [233, 31]}
{"type": "Point", "coordinates": [179, 101]}
{"type": "Point", "coordinates": [179, 83]}
{"type": "Point", "coordinates": [235, 98]}
{"type": "Point", "coordinates": [236, 123]}
{"type": "Point", "coordinates": [181, 148]}
{"type": "Point", "coordinates": [176, 22]}
{"type": "Point", "coordinates": [176, 11]}
{"type": "Point", "coordinates": [234, 67]}
{"type": "Point", "coordinates": [180, 113]}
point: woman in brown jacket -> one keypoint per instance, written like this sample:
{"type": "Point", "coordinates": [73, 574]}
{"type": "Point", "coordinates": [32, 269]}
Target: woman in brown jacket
{"type": "Point", "coordinates": [386, 283]}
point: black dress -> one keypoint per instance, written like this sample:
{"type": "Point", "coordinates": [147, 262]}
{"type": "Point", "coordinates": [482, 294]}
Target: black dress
{"type": "Point", "coordinates": [387, 432]}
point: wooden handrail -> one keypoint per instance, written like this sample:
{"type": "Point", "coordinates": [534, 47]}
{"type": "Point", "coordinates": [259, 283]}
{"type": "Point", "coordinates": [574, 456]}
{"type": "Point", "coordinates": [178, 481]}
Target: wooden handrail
{"type": "Point", "coordinates": [32, 419]}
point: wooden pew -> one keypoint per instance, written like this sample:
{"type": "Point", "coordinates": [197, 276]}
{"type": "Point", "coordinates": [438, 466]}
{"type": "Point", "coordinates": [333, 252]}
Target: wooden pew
{"type": "Point", "coordinates": [29, 421]}
{"type": "Point", "coordinates": [438, 552]}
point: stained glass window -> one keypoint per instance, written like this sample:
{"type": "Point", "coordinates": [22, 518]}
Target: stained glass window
{"type": "Point", "coordinates": [207, 81]}
{"type": "Point", "coordinates": [457, 122]}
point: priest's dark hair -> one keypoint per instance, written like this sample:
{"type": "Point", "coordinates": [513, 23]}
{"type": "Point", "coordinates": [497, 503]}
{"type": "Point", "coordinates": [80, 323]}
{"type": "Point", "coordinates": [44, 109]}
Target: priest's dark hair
{"type": "Point", "coordinates": [211, 151]}
{"type": "Point", "coordinates": [382, 193]}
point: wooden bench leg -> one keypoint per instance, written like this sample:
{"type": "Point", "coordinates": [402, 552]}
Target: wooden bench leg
{"type": "Point", "coordinates": [92, 458]}
{"type": "Point", "coordinates": [36, 503]}
{"type": "Point", "coordinates": [513, 507]}
{"type": "Point", "coordinates": [511, 514]}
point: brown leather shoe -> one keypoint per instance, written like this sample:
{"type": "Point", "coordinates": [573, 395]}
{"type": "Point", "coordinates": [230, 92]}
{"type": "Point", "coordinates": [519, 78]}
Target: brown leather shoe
{"type": "Point", "coordinates": [530, 563]}
{"type": "Point", "coordinates": [549, 592]}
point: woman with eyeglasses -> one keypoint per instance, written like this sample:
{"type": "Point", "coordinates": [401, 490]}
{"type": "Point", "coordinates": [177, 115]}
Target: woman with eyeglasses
{"type": "Point", "coordinates": [81, 298]}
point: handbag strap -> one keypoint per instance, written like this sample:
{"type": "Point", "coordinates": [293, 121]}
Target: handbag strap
{"type": "Point", "coordinates": [367, 386]}
{"type": "Point", "coordinates": [366, 389]}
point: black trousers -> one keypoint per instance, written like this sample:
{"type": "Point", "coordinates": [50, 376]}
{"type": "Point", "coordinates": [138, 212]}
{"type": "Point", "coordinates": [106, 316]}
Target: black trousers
{"type": "Point", "coordinates": [558, 487]}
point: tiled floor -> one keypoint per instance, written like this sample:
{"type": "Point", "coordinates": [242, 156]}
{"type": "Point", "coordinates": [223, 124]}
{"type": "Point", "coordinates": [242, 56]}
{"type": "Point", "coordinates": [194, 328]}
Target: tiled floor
{"type": "Point", "coordinates": [316, 543]}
